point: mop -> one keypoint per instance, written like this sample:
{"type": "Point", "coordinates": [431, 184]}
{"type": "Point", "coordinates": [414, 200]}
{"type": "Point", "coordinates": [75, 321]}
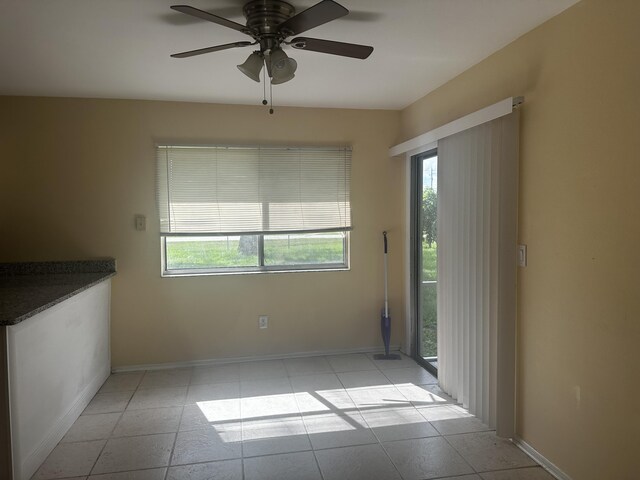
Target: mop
{"type": "Point", "coordinates": [385, 320]}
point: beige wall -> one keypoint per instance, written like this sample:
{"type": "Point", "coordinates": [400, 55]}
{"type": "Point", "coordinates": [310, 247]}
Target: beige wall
{"type": "Point", "coordinates": [579, 297]}
{"type": "Point", "coordinates": [76, 171]}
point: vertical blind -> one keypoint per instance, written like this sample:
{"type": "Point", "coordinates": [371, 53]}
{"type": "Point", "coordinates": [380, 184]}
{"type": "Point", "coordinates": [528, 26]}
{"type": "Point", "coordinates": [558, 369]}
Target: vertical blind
{"type": "Point", "coordinates": [222, 190]}
{"type": "Point", "coordinates": [477, 234]}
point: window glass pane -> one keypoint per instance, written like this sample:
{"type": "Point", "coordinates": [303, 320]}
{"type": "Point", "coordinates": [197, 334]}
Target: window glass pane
{"type": "Point", "coordinates": [211, 252]}
{"type": "Point", "coordinates": [429, 284]}
{"type": "Point", "coordinates": [304, 249]}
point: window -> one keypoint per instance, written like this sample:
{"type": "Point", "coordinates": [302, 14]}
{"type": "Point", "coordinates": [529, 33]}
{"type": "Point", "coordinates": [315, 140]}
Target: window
{"type": "Point", "coordinates": [226, 209]}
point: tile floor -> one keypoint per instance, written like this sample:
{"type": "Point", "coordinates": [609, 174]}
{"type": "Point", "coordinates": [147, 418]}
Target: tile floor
{"type": "Point", "coordinates": [343, 417]}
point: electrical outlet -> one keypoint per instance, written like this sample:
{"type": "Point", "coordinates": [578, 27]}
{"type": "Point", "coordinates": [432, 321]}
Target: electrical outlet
{"type": "Point", "coordinates": [263, 321]}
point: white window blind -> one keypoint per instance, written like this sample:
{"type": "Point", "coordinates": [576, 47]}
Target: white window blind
{"type": "Point", "coordinates": [224, 190]}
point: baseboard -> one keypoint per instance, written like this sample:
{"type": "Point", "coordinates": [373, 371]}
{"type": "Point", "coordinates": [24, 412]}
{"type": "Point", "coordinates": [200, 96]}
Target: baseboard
{"type": "Point", "coordinates": [541, 459]}
{"type": "Point", "coordinates": [275, 356]}
{"type": "Point", "coordinates": [32, 462]}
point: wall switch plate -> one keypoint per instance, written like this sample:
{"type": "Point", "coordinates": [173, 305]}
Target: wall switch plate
{"type": "Point", "coordinates": [141, 222]}
{"type": "Point", "coordinates": [522, 255]}
{"type": "Point", "coordinates": [263, 321]}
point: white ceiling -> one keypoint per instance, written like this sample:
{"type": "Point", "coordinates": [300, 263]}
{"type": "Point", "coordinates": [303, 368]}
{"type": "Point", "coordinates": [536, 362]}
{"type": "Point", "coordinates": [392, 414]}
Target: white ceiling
{"type": "Point", "coordinates": [121, 48]}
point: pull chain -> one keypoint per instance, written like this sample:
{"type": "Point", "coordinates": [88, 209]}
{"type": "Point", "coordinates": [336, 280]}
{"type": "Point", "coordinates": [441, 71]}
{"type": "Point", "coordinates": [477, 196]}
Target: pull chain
{"type": "Point", "coordinates": [271, 96]}
{"type": "Point", "coordinates": [264, 86]}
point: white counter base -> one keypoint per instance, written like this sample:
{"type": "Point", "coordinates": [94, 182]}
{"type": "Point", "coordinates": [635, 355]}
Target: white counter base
{"type": "Point", "coordinates": [57, 361]}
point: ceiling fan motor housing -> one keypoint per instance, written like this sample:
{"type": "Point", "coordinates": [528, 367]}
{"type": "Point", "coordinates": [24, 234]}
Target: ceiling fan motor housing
{"type": "Point", "coordinates": [264, 16]}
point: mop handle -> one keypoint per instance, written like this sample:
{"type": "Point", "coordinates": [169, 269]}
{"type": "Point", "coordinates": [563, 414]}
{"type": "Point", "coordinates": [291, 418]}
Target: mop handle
{"type": "Point", "coordinates": [386, 299]}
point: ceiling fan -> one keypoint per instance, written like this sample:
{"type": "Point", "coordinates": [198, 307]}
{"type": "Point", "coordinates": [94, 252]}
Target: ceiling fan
{"type": "Point", "coordinates": [270, 23]}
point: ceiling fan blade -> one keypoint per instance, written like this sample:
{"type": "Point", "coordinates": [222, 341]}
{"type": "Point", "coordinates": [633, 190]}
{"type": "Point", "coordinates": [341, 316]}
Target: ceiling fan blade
{"type": "Point", "coordinates": [334, 48]}
{"type": "Point", "coordinates": [217, 48]}
{"type": "Point", "coordinates": [194, 12]}
{"type": "Point", "coordinates": [320, 13]}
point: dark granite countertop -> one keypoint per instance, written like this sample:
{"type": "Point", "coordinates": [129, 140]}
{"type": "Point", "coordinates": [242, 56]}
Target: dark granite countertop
{"type": "Point", "coordinates": [28, 288]}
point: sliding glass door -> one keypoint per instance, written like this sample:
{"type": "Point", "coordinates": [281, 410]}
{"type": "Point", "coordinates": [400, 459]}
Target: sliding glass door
{"type": "Point", "coordinates": [425, 254]}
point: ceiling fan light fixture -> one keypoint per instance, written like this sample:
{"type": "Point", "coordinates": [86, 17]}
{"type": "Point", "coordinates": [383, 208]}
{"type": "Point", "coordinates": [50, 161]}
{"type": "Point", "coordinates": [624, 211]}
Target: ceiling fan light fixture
{"type": "Point", "coordinates": [252, 66]}
{"type": "Point", "coordinates": [281, 79]}
{"type": "Point", "coordinates": [283, 68]}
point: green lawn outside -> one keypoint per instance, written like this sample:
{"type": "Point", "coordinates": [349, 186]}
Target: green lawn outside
{"type": "Point", "coordinates": [300, 251]}
{"type": "Point", "coordinates": [428, 293]}
{"type": "Point", "coordinates": [207, 254]}
{"type": "Point", "coordinates": [429, 262]}
{"type": "Point", "coordinates": [229, 253]}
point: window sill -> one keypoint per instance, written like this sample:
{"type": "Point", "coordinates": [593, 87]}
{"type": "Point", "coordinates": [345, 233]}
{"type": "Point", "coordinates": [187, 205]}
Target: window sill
{"type": "Point", "coordinates": [209, 273]}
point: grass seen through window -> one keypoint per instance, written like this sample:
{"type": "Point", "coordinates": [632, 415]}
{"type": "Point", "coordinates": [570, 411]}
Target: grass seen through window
{"type": "Point", "coordinates": [429, 319]}
{"type": "Point", "coordinates": [242, 251]}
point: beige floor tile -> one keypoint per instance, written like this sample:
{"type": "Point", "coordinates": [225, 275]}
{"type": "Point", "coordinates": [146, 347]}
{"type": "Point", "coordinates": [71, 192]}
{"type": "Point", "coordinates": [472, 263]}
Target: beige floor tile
{"type": "Point", "coordinates": [529, 473]}
{"type": "Point", "coordinates": [75, 478]}
{"type": "Point", "coordinates": [400, 424]}
{"type": "Point", "coordinates": [307, 366]}
{"type": "Point", "coordinates": [222, 470]}
{"type": "Point", "coordinates": [410, 376]}
{"type": "Point", "coordinates": [92, 427]}
{"type": "Point", "coordinates": [368, 462]}
{"type": "Point", "coordinates": [108, 403]}
{"type": "Point", "coordinates": [452, 419]}
{"type": "Point", "coordinates": [135, 453]}
{"type": "Point", "coordinates": [316, 382]}
{"type": "Point", "coordinates": [257, 407]}
{"type": "Point", "coordinates": [262, 370]}
{"type": "Point", "coordinates": [204, 413]}
{"type": "Point", "coordinates": [217, 442]}
{"type": "Point", "coordinates": [464, 477]}
{"type": "Point", "coordinates": [369, 379]}
{"type": "Point", "coordinates": [290, 466]}
{"type": "Point", "coordinates": [224, 431]}
{"type": "Point", "coordinates": [147, 422]}
{"type": "Point", "coordinates": [377, 398]}
{"type": "Point", "coordinates": [158, 398]}
{"type": "Point", "coordinates": [153, 474]}
{"type": "Point", "coordinates": [208, 392]}
{"type": "Point", "coordinates": [265, 386]}
{"type": "Point", "coordinates": [425, 458]}
{"type": "Point", "coordinates": [267, 437]}
{"type": "Point", "coordinates": [122, 382]}
{"type": "Point", "coordinates": [174, 377]}
{"type": "Point", "coordinates": [404, 362]}
{"type": "Point", "coordinates": [350, 363]}
{"type": "Point", "coordinates": [69, 460]}
{"type": "Point", "coordinates": [338, 430]}
{"type": "Point", "coordinates": [216, 374]}
{"type": "Point", "coordinates": [485, 451]}
{"type": "Point", "coordinates": [216, 415]}
{"type": "Point", "coordinates": [325, 401]}
{"type": "Point", "coordinates": [424, 395]}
